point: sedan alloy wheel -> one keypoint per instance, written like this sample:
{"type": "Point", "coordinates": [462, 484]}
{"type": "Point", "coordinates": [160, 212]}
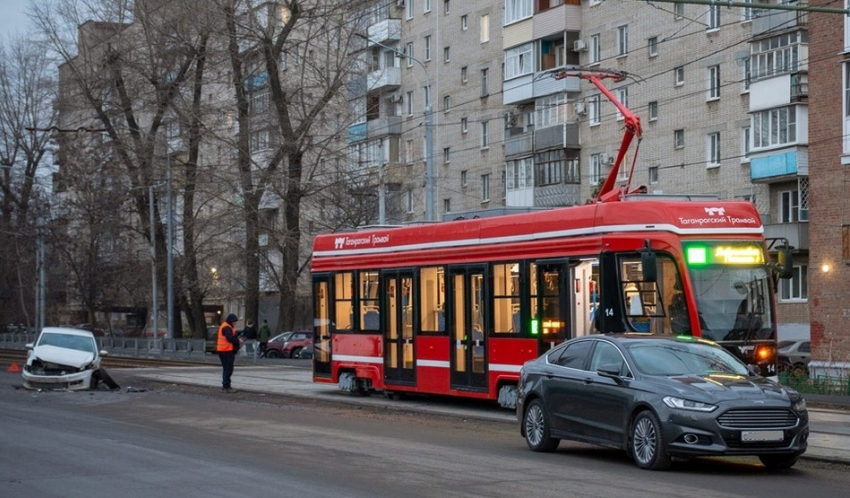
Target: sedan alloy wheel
{"type": "Point", "coordinates": [537, 428]}
{"type": "Point", "coordinates": [647, 444]}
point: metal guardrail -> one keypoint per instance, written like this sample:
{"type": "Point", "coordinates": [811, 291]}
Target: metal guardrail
{"type": "Point", "coordinates": [126, 346]}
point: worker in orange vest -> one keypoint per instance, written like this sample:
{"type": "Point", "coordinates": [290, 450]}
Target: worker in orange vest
{"type": "Point", "coordinates": [227, 346]}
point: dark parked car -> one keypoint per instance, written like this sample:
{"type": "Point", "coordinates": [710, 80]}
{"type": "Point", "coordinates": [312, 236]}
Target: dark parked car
{"type": "Point", "coordinates": [658, 397]}
{"type": "Point", "coordinates": [288, 344]}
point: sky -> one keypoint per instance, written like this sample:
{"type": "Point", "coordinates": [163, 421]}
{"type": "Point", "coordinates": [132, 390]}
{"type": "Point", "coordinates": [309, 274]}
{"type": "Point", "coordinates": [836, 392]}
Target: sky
{"type": "Point", "coordinates": [12, 17]}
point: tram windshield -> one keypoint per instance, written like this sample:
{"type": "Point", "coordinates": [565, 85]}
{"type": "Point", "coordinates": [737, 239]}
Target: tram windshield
{"type": "Point", "coordinates": [733, 295]}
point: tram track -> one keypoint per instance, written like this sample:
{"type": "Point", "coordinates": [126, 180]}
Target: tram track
{"type": "Point", "coordinates": [19, 356]}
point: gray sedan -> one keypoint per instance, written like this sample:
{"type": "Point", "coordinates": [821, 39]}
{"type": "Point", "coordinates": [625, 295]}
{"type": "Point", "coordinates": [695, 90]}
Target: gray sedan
{"type": "Point", "coordinates": [657, 397]}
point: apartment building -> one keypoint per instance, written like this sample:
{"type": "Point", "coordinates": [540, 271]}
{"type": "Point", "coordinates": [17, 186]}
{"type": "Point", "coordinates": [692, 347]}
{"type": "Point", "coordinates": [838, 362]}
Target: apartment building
{"type": "Point", "coordinates": [721, 93]}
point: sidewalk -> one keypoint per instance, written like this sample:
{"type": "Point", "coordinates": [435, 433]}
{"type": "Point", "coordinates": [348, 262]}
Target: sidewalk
{"type": "Point", "coordinates": [829, 438]}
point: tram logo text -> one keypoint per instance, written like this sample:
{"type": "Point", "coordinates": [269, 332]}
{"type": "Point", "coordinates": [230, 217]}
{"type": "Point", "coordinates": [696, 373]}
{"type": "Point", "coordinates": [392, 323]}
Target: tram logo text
{"type": "Point", "coordinates": [354, 243]}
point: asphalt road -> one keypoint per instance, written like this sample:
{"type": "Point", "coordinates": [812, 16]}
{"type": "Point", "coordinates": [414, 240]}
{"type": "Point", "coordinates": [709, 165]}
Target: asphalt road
{"type": "Point", "coordinates": [168, 440]}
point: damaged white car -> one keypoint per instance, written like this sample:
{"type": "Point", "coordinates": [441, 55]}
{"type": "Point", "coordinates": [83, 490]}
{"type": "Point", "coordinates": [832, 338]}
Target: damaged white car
{"type": "Point", "coordinates": [65, 358]}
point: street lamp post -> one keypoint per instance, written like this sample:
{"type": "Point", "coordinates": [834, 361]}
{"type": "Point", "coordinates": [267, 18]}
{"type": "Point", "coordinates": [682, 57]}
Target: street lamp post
{"type": "Point", "coordinates": [429, 133]}
{"type": "Point", "coordinates": [170, 260]}
{"type": "Point", "coordinates": [155, 310]}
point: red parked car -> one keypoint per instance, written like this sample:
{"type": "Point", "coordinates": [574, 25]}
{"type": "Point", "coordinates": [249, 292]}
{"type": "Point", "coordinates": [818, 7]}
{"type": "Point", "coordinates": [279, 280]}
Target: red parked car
{"type": "Point", "coordinates": [288, 344]}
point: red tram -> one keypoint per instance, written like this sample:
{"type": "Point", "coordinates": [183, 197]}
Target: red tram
{"type": "Point", "coordinates": [456, 308]}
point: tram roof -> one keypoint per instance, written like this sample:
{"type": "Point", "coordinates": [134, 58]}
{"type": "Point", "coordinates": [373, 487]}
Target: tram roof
{"type": "Point", "coordinates": [674, 214]}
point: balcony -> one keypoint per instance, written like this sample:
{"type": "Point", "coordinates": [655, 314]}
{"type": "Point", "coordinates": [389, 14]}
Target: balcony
{"type": "Point", "coordinates": [540, 84]}
{"type": "Point", "coordinates": [384, 79]}
{"type": "Point", "coordinates": [384, 125]}
{"type": "Point", "coordinates": [564, 135]}
{"type": "Point", "coordinates": [779, 166]}
{"type": "Point", "coordinates": [387, 32]}
{"type": "Point", "coordinates": [796, 233]}
{"type": "Point", "coordinates": [776, 21]}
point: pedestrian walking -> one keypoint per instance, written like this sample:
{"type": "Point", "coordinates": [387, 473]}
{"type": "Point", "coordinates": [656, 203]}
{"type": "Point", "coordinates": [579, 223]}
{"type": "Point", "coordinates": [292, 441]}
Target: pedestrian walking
{"type": "Point", "coordinates": [263, 336]}
{"type": "Point", "coordinates": [249, 334]}
{"type": "Point", "coordinates": [227, 346]}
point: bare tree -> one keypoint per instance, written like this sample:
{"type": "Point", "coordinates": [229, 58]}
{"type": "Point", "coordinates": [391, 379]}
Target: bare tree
{"type": "Point", "coordinates": [124, 64]}
{"type": "Point", "coordinates": [27, 91]}
{"type": "Point", "coordinates": [299, 52]}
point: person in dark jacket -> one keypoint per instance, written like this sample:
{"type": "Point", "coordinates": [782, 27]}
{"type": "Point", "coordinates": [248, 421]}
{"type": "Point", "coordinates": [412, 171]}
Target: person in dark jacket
{"type": "Point", "coordinates": [227, 347]}
{"type": "Point", "coordinates": [249, 334]}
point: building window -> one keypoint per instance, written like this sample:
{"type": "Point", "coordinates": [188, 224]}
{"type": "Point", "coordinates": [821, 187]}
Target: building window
{"type": "Point", "coordinates": [517, 10]}
{"type": "Point", "coordinates": [678, 139]}
{"type": "Point", "coordinates": [713, 17]}
{"type": "Point", "coordinates": [485, 134]}
{"type": "Point", "coordinates": [714, 83]}
{"type": "Point", "coordinates": [623, 96]}
{"type": "Point", "coordinates": [428, 47]}
{"type": "Point", "coordinates": [518, 61]}
{"type": "Point", "coordinates": [774, 127]}
{"type": "Point", "coordinates": [426, 7]}
{"type": "Point", "coordinates": [464, 22]}
{"type": "Point", "coordinates": [446, 9]}
{"type": "Point", "coordinates": [485, 82]}
{"type": "Point", "coordinates": [775, 56]}
{"type": "Point", "coordinates": [595, 49]}
{"type": "Point", "coordinates": [447, 54]}
{"type": "Point", "coordinates": [792, 205]}
{"type": "Point", "coordinates": [679, 76]}
{"type": "Point", "coordinates": [426, 91]}
{"type": "Point", "coordinates": [485, 188]}
{"type": "Point", "coordinates": [447, 206]}
{"type": "Point", "coordinates": [463, 178]}
{"type": "Point", "coordinates": [408, 151]}
{"type": "Point", "coordinates": [447, 103]}
{"type": "Point", "coordinates": [409, 52]}
{"type": "Point", "coordinates": [259, 140]}
{"type": "Point", "coordinates": [594, 111]}
{"type": "Point", "coordinates": [464, 74]}
{"type": "Point", "coordinates": [485, 28]}
{"type": "Point", "coordinates": [653, 175]}
{"type": "Point", "coordinates": [260, 101]}
{"type": "Point", "coordinates": [653, 110]}
{"type": "Point", "coordinates": [408, 4]}
{"type": "Point", "coordinates": [795, 288]}
{"type": "Point", "coordinates": [652, 44]}
{"type": "Point", "coordinates": [747, 12]}
{"type": "Point", "coordinates": [746, 76]}
{"type": "Point", "coordinates": [846, 112]}
{"type": "Point", "coordinates": [713, 153]}
{"type": "Point", "coordinates": [520, 174]}
{"type": "Point", "coordinates": [622, 40]}
{"type": "Point", "coordinates": [595, 169]}
{"type": "Point", "coordinates": [409, 103]}
{"type": "Point", "coordinates": [464, 125]}
{"type": "Point", "coordinates": [745, 144]}
{"type": "Point", "coordinates": [550, 111]}
{"type": "Point", "coordinates": [549, 167]}
{"type": "Point", "coordinates": [410, 201]}
{"type": "Point", "coordinates": [678, 11]}
{"type": "Point", "coordinates": [447, 155]}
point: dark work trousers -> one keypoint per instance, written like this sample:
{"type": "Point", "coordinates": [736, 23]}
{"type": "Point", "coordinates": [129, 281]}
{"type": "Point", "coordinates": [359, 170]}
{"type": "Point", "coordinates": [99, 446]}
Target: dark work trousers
{"type": "Point", "coordinates": [227, 360]}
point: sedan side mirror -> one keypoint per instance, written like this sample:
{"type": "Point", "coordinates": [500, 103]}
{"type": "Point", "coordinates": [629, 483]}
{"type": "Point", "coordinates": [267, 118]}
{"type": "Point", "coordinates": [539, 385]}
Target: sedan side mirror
{"type": "Point", "coordinates": [754, 370]}
{"type": "Point", "coordinates": [611, 371]}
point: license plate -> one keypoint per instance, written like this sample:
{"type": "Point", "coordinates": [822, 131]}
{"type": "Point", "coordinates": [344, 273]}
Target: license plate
{"type": "Point", "coordinates": [758, 436]}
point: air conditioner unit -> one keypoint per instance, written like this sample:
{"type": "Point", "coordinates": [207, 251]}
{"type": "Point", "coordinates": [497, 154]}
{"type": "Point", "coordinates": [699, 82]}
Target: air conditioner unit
{"type": "Point", "coordinates": [399, 3]}
{"type": "Point", "coordinates": [580, 109]}
{"type": "Point", "coordinates": [579, 46]}
{"type": "Point", "coordinates": [396, 99]}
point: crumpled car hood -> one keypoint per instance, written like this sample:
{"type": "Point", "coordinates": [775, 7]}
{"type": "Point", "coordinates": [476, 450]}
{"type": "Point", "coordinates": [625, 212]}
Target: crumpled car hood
{"type": "Point", "coordinates": [63, 356]}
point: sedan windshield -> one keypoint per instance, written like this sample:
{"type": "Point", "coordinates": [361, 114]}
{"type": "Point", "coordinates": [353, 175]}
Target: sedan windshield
{"type": "Point", "coordinates": [67, 341]}
{"type": "Point", "coordinates": [668, 358]}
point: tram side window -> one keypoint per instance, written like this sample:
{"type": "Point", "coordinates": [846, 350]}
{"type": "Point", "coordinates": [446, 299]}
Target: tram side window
{"type": "Point", "coordinates": [370, 311]}
{"type": "Point", "coordinates": [506, 298]}
{"type": "Point", "coordinates": [344, 300]}
{"type": "Point", "coordinates": [432, 294]}
{"type": "Point", "coordinates": [658, 307]}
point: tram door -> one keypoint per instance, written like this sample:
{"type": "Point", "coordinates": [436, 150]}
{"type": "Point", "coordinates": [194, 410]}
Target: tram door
{"type": "Point", "coordinates": [466, 315]}
{"type": "Point", "coordinates": [585, 298]}
{"type": "Point", "coordinates": [551, 302]}
{"type": "Point", "coordinates": [397, 324]}
{"type": "Point", "coordinates": [322, 327]}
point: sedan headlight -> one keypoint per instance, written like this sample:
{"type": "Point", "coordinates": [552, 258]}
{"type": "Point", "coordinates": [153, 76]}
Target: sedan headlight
{"type": "Point", "coordinates": [799, 405]}
{"type": "Point", "coordinates": [686, 404]}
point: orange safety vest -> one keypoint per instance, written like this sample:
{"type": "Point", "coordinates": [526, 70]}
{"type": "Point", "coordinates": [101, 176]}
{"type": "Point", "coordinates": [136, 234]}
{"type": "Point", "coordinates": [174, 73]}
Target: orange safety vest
{"type": "Point", "coordinates": [223, 345]}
